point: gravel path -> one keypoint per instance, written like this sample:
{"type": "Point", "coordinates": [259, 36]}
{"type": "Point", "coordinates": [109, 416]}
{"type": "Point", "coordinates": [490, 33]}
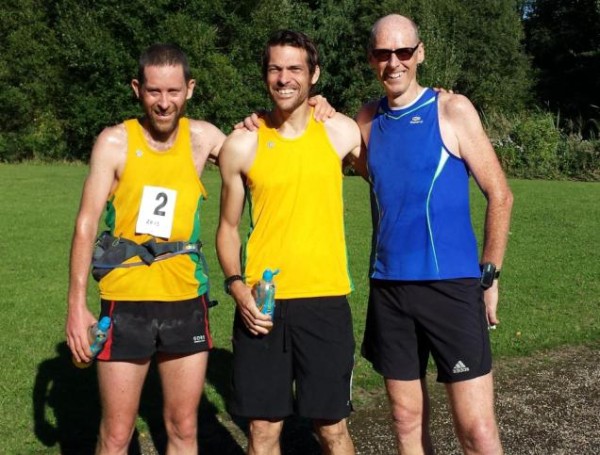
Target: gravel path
{"type": "Point", "coordinates": [548, 404]}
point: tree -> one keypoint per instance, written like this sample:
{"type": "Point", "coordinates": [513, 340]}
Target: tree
{"type": "Point", "coordinates": [564, 39]}
{"type": "Point", "coordinates": [495, 71]}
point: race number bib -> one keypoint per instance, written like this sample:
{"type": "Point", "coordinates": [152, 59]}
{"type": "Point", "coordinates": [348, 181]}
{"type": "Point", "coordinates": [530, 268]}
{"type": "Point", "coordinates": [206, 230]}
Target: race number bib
{"type": "Point", "coordinates": [157, 211]}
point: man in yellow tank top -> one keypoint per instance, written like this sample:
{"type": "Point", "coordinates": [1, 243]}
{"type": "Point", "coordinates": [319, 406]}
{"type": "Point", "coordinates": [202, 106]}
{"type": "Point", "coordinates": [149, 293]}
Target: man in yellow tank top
{"type": "Point", "coordinates": [291, 172]}
{"type": "Point", "coordinates": [146, 173]}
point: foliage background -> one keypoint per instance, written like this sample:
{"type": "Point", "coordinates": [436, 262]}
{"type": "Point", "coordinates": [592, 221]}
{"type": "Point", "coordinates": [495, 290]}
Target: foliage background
{"type": "Point", "coordinates": [66, 65]}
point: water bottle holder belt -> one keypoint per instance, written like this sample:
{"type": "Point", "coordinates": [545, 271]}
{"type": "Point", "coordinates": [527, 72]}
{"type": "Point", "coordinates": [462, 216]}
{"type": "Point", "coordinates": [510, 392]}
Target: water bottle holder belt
{"type": "Point", "coordinates": [112, 252]}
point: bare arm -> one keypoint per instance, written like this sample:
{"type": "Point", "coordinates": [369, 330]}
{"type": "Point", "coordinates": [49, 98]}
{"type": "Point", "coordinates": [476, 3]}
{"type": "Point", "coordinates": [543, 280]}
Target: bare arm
{"type": "Point", "coordinates": [462, 130]}
{"type": "Point", "coordinates": [207, 141]}
{"type": "Point", "coordinates": [236, 156]}
{"type": "Point", "coordinates": [364, 119]}
{"type": "Point", "coordinates": [107, 160]}
{"type": "Point", "coordinates": [344, 135]}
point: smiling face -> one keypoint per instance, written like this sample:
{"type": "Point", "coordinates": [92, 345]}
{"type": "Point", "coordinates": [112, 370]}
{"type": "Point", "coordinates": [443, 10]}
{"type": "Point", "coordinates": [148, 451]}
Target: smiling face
{"type": "Point", "coordinates": [163, 96]}
{"type": "Point", "coordinates": [288, 77]}
{"type": "Point", "coordinates": [398, 77]}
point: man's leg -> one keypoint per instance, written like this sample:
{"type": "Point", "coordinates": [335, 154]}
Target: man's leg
{"type": "Point", "coordinates": [409, 401]}
{"type": "Point", "coordinates": [182, 379]}
{"type": "Point", "coordinates": [472, 403]}
{"type": "Point", "coordinates": [334, 437]}
{"type": "Point", "coordinates": [263, 437]}
{"type": "Point", "coordinates": [120, 386]}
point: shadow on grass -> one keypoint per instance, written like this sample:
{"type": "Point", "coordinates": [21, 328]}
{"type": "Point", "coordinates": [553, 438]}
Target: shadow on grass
{"type": "Point", "coordinates": [66, 408]}
{"type": "Point", "coordinates": [67, 411]}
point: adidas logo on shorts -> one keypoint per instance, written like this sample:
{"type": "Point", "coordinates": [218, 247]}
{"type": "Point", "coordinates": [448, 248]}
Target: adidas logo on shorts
{"type": "Point", "coordinates": [460, 368]}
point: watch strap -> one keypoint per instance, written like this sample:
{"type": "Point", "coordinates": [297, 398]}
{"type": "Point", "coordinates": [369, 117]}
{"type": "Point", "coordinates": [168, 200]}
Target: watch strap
{"type": "Point", "coordinates": [229, 281]}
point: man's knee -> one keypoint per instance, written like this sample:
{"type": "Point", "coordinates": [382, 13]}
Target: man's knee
{"type": "Point", "coordinates": [181, 426]}
{"type": "Point", "coordinates": [481, 437]}
{"type": "Point", "coordinates": [407, 419]}
{"type": "Point", "coordinates": [114, 438]}
{"type": "Point", "coordinates": [264, 434]}
{"type": "Point", "coordinates": [333, 433]}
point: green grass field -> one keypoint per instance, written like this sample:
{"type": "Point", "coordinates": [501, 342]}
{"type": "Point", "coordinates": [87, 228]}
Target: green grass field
{"type": "Point", "coordinates": [550, 295]}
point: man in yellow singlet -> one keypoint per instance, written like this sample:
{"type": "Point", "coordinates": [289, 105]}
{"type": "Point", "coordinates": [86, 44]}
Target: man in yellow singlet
{"type": "Point", "coordinates": [146, 173]}
{"type": "Point", "coordinates": [291, 172]}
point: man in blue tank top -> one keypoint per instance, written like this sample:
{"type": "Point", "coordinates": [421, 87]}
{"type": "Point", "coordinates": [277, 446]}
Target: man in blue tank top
{"type": "Point", "coordinates": [428, 294]}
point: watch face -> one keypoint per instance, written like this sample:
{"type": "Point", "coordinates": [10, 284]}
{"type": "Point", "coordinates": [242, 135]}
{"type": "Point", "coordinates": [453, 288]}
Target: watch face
{"type": "Point", "coordinates": [488, 274]}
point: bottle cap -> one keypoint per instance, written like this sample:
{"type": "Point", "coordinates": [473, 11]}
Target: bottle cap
{"type": "Point", "coordinates": [104, 323]}
{"type": "Point", "coordinates": [268, 274]}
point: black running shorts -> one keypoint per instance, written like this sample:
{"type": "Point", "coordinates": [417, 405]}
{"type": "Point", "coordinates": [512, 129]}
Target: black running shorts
{"type": "Point", "coordinates": [408, 320]}
{"type": "Point", "coordinates": [139, 329]}
{"type": "Point", "coordinates": [303, 365]}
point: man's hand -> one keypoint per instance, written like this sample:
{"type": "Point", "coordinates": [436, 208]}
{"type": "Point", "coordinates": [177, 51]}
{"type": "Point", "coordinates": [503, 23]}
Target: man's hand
{"type": "Point", "coordinates": [250, 123]}
{"type": "Point", "coordinates": [78, 323]}
{"type": "Point", "coordinates": [490, 297]}
{"type": "Point", "coordinates": [323, 110]}
{"type": "Point", "coordinates": [442, 90]}
{"type": "Point", "coordinates": [256, 322]}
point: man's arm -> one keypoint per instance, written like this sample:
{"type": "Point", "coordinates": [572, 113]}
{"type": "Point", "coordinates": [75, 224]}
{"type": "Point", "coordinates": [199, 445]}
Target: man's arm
{"type": "Point", "coordinates": [106, 162]}
{"type": "Point", "coordinates": [462, 130]}
{"type": "Point", "coordinates": [235, 159]}
{"type": "Point", "coordinates": [344, 135]}
{"type": "Point", "coordinates": [364, 119]}
{"type": "Point", "coordinates": [207, 141]}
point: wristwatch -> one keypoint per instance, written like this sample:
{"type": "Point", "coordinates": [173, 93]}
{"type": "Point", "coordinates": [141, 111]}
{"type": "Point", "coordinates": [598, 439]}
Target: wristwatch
{"type": "Point", "coordinates": [229, 281]}
{"type": "Point", "coordinates": [488, 275]}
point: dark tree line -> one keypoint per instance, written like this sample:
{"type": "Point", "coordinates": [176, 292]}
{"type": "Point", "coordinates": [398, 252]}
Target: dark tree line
{"type": "Point", "coordinates": [66, 65]}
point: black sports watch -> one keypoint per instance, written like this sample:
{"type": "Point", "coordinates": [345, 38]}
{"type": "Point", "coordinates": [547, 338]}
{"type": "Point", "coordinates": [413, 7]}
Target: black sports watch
{"type": "Point", "coordinates": [229, 281]}
{"type": "Point", "coordinates": [488, 275]}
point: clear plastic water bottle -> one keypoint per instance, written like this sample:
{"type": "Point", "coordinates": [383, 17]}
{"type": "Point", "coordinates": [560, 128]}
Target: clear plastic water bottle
{"type": "Point", "coordinates": [97, 334]}
{"type": "Point", "coordinates": [264, 292]}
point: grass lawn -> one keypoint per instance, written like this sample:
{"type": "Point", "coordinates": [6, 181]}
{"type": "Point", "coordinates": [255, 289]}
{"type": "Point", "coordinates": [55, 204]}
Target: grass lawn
{"type": "Point", "coordinates": [550, 295]}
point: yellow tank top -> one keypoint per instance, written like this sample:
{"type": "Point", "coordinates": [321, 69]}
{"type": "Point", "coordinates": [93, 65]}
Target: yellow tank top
{"type": "Point", "coordinates": [296, 210]}
{"type": "Point", "coordinates": [159, 195]}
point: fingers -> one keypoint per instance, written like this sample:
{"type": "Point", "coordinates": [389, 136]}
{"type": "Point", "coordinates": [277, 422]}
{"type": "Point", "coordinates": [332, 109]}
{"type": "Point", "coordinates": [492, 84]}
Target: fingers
{"type": "Point", "coordinates": [490, 297]}
{"type": "Point", "coordinates": [322, 109]}
{"type": "Point", "coordinates": [256, 322]}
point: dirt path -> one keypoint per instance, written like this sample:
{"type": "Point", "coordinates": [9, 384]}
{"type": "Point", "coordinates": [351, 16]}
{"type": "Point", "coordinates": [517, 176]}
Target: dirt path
{"type": "Point", "coordinates": [548, 404]}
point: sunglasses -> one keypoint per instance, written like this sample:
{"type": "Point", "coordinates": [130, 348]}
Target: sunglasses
{"type": "Point", "coordinates": [403, 53]}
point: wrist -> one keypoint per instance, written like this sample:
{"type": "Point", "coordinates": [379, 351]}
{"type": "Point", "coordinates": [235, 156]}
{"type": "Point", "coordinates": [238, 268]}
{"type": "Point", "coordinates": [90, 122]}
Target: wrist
{"type": "Point", "coordinates": [489, 275]}
{"type": "Point", "coordinates": [230, 280]}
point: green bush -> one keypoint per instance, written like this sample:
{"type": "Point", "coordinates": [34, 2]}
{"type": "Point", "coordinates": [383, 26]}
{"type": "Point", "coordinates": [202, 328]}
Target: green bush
{"type": "Point", "coordinates": [539, 140]}
{"type": "Point", "coordinates": [580, 159]}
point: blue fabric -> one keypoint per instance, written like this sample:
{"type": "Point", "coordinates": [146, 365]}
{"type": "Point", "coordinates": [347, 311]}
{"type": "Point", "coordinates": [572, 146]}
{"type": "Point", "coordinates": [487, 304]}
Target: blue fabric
{"type": "Point", "coordinates": [422, 223]}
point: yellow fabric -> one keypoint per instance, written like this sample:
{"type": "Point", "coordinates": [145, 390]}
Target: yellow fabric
{"type": "Point", "coordinates": [296, 208]}
{"type": "Point", "coordinates": [179, 277]}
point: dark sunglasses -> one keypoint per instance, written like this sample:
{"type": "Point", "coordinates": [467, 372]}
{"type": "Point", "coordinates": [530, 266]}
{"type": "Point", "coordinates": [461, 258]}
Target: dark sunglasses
{"type": "Point", "coordinates": [403, 53]}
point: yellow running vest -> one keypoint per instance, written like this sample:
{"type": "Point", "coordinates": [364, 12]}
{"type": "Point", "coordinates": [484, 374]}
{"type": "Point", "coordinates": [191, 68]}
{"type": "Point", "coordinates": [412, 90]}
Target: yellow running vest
{"type": "Point", "coordinates": [297, 215]}
{"type": "Point", "coordinates": [159, 195]}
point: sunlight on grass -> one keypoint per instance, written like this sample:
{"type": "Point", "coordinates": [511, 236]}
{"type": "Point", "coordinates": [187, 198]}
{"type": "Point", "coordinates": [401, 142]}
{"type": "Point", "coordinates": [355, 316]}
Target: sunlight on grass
{"type": "Point", "coordinates": [549, 291]}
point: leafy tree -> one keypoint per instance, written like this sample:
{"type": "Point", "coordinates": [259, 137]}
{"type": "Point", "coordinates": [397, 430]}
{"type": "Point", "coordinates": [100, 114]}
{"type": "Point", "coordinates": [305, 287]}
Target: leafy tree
{"type": "Point", "coordinates": [564, 39]}
{"type": "Point", "coordinates": [29, 81]}
{"type": "Point", "coordinates": [495, 71]}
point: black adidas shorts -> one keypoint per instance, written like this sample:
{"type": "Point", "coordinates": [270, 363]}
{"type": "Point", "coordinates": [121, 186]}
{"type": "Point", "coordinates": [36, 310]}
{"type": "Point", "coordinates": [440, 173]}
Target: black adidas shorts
{"type": "Point", "coordinates": [140, 329]}
{"type": "Point", "coordinates": [303, 365]}
{"type": "Point", "coordinates": [408, 320]}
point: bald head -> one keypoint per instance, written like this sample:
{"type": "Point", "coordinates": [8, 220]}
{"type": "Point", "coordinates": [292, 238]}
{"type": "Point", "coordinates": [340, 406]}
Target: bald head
{"type": "Point", "coordinates": [393, 23]}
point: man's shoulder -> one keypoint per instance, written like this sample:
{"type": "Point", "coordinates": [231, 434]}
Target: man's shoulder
{"type": "Point", "coordinates": [340, 120]}
{"type": "Point", "coordinates": [203, 128]}
{"type": "Point", "coordinates": [115, 135]}
{"type": "Point", "coordinates": [241, 138]}
{"type": "Point", "coordinates": [454, 105]}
